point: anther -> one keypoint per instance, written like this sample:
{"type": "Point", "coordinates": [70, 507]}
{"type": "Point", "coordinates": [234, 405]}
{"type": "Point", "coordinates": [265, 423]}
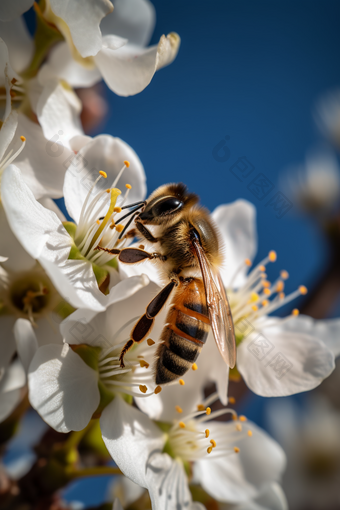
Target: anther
{"type": "Point", "coordinates": [158, 389]}
{"type": "Point", "coordinates": [247, 262]}
{"type": "Point", "coordinates": [249, 433]}
{"type": "Point", "coordinates": [265, 302]}
{"type": "Point", "coordinates": [182, 424]}
{"type": "Point", "coordinates": [207, 433]}
{"type": "Point", "coordinates": [272, 256]}
{"type": "Point", "coordinates": [119, 228]}
{"type": "Point", "coordinates": [45, 291]}
{"type": "Point", "coordinates": [128, 186]}
{"type": "Point", "coordinates": [208, 411]}
{"type": "Point", "coordinates": [236, 449]}
{"type": "Point", "coordinates": [181, 382]}
{"type": "Point", "coordinates": [142, 388]}
{"type": "Point", "coordinates": [232, 400]}
{"type": "Point", "coordinates": [141, 247]}
{"type": "Point", "coordinates": [209, 450]}
{"type": "Point", "coordinates": [284, 274]}
{"type": "Point", "coordinates": [127, 163]}
{"type": "Point", "coordinates": [194, 366]}
{"type": "Point", "coordinates": [213, 443]}
{"type": "Point", "coordinates": [144, 363]}
{"type": "Point", "coordinates": [200, 407]}
{"type": "Point", "coordinates": [117, 209]}
{"type": "Point", "coordinates": [267, 292]}
{"type": "Point", "coordinates": [103, 174]}
{"type": "Point", "coordinates": [262, 268]}
{"type": "Point", "coordinates": [242, 418]}
{"type": "Point", "coordinates": [266, 283]}
{"type": "Point", "coordinates": [150, 341]}
{"type": "Point", "coordinates": [295, 312]}
{"type": "Point", "coordinates": [280, 287]}
{"type": "Point", "coordinates": [179, 409]}
{"type": "Point", "coordinates": [303, 289]}
{"type": "Point", "coordinates": [254, 297]}
{"type": "Point", "coordinates": [98, 222]}
{"type": "Point", "coordinates": [22, 138]}
{"type": "Point", "coordinates": [281, 295]}
{"type": "Point", "coordinates": [255, 308]}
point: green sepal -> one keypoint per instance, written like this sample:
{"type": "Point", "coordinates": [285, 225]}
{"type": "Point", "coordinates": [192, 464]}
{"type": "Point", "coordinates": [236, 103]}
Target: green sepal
{"type": "Point", "coordinates": [71, 228]}
{"type": "Point", "coordinates": [88, 354]}
{"type": "Point", "coordinates": [93, 441]}
{"type": "Point", "coordinates": [234, 374]}
{"type": "Point", "coordinates": [199, 495]}
{"type": "Point", "coordinates": [46, 35]}
{"type": "Point", "coordinates": [106, 398]}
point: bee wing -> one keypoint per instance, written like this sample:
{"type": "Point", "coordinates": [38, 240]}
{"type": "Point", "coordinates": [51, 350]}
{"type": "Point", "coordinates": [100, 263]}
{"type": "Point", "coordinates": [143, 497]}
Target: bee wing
{"type": "Point", "coordinates": [218, 308]}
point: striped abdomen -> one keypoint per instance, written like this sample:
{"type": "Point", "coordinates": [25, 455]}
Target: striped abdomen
{"type": "Point", "coordinates": [185, 332]}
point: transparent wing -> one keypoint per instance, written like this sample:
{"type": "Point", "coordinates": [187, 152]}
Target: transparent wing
{"type": "Point", "coordinates": [218, 308]}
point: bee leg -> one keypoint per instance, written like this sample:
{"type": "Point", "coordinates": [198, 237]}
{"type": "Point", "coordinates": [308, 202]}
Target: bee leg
{"type": "Point", "coordinates": [146, 233]}
{"type": "Point", "coordinates": [146, 322]}
{"type": "Point", "coordinates": [135, 255]}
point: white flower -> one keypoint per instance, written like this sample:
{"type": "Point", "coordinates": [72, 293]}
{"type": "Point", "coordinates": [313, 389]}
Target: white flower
{"type": "Point", "coordinates": [274, 359]}
{"type": "Point", "coordinates": [122, 59]}
{"type": "Point", "coordinates": [270, 498]}
{"type": "Point", "coordinates": [327, 115]}
{"type": "Point", "coordinates": [315, 187]}
{"type": "Point", "coordinates": [310, 437]}
{"type": "Point", "coordinates": [12, 381]}
{"type": "Point", "coordinates": [78, 271]}
{"type": "Point", "coordinates": [55, 105]}
{"type": "Point", "coordinates": [230, 465]}
{"type": "Point", "coordinates": [70, 383]}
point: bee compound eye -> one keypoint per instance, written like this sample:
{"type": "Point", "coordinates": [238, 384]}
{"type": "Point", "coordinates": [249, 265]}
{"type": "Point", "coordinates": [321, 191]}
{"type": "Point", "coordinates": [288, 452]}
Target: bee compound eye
{"type": "Point", "coordinates": [167, 206]}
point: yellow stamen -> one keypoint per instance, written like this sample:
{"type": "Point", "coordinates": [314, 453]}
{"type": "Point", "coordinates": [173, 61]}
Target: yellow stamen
{"type": "Point", "coordinates": [255, 308]}
{"type": "Point", "coordinates": [98, 222]}
{"type": "Point", "coordinates": [158, 389]}
{"type": "Point", "coordinates": [119, 228]}
{"type": "Point", "coordinates": [150, 341]}
{"type": "Point", "coordinates": [115, 192]}
{"type": "Point", "coordinates": [209, 450]}
{"type": "Point", "coordinates": [103, 174]}
{"type": "Point", "coordinates": [284, 274]}
{"type": "Point", "coordinates": [22, 138]}
{"type": "Point", "coordinates": [200, 407]}
{"type": "Point", "coordinates": [232, 400]}
{"type": "Point", "coordinates": [179, 409]}
{"type": "Point", "coordinates": [281, 295]}
{"type": "Point", "coordinates": [207, 432]}
{"type": "Point", "coordinates": [248, 262]}
{"type": "Point", "coordinates": [272, 256]}
{"type": "Point", "coordinates": [249, 433]}
{"type": "Point", "coordinates": [262, 268]}
{"type": "Point", "coordinates": [182, 424]}
{"type": "Point", "coordinates": [208, 411]}
{"type": "Point", "coordinates": [194, 366]}
{"type": "Point", "coordinates": [181, 382]}
{"type": "Point", "coordinates": [128, 186]}
{"type": "Point", "coordinates": [117, 209]}
{"type": "Point", "coordinates": [213, 443]}
{"type": "Point", "coordinates": [254, 297]}
{"type": "Point", "coordinates": [266, 284]}
{"type": "Point", "coordinates": [242, 418]}
{"type": "Point", "coordinates": [295, 312]}
{"type": "Point", "coordinates": [236, 450]}
{"type": "Point", "coordinates": [265, 302]}
{"type": "Point", "coordinates": [127, 163]}
{"type": "Point", "coordinates": [267, 292]}
{"type": "Point", "coordinates": [280, 286]}
{"type": "Point", "coordinates": [303, 289]}
{"type": "Point", "coordinates": [142, 388]}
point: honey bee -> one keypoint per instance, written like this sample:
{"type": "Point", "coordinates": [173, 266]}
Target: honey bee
{"type": "Point", "coordinates": [188, 254]}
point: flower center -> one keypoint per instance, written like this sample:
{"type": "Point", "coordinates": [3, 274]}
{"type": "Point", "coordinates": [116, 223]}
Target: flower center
{"type": "Point", "coordinates": [258, 297]}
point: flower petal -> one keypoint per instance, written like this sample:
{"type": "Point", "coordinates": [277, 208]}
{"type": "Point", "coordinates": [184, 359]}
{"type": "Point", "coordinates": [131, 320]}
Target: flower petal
{"type": "Point", "coordinates": [104, 152]}
{"type": "Point", "coordinates": [7, 131]}
{"type": "Point", "coordinates": [62, 388]}
{"type": "Point", "coordinates": [83, 20]}
{"type": "Point", "coordinates": [27, 344]}
{"type": "Point", "coordinates": [128, 70]}
{"type": "Point", "coordinates": [7, 344]}
{"type": "Point", "coordinates": [275, 362]}
{"type": "Point", "coordinates": [237, 227]}
{"type": "Point", "coordinates": [8, 402]}
{"type": "Point", "coordinates": [19, 42]}
{"type": "Point", "coordinates": [131, 19]}
{"type": "Point", "coordinates": [10, 10]}
{"type": "Point", "coordinates": [14, 378]}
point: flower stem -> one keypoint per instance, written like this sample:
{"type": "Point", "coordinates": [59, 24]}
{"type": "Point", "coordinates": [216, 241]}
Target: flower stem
{"type": "Point", "coordinates": [95, 471]}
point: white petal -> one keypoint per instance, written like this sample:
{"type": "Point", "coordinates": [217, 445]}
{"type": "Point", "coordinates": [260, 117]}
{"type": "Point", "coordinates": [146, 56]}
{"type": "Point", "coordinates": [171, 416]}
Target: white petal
{"type": "Point", "coordinates": [128, 70]}
{"type": "Point", "coordinates": [8, 402]}
{"type": "Point", "coordinates": [126, 490]}
{"type": "Point", "coordinates": [32, 224]}
{"type": "Point", "coordinates": [83, 18]}
{"type": "Point", "coordinates": [48, 203]}
{"type": "Point", "coordinates": [326, 330]}
{"type": "Point", "coordinates": [6, 76]}
{"type": "Point", "coordinates": [14, 378]}
{"type": "Point", "coordinates": [26, 341]}
{"type": "Point", "coordinates": [236, 223]}
{"type": "Point", "coordinates": [17, 258]}
{"type": "Point", "coordinates": [62, 65]}
{"type": "Point", "coordinates": [105, 153]}
{"type": "Point", "coordinates": [58, 109]}
{"type": "Point", "coordinates": [275, 362]}
{"type": "Point", "coordinates": [7, 132]}
{"type": "Point", "coordinates": [136, 444]}
{"type": "Point", "coordinates": [43, 162]}
{"type": "Point", "coordinates": [62, 388]}
{"type": "Point", "coordinates": [10, 9]}
{"type": "Point", "coordinates": [19, 42]}
{"type": "Point", "coordinates": [149, 269]}
{"type": "Point", "coordinates": [273, 498]}
{"type": "Point", "coordinates": [131, 19]}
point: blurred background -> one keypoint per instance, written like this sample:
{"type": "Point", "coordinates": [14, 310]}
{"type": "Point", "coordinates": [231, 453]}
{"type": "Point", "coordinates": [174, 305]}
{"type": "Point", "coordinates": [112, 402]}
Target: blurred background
{"type": "Point", "coordinates": [250, 95]}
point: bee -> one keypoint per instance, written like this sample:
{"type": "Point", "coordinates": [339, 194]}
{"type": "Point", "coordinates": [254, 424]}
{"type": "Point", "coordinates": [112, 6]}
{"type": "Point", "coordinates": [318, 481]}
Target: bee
{"type": "Point", "coordinates": [188, 253]}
